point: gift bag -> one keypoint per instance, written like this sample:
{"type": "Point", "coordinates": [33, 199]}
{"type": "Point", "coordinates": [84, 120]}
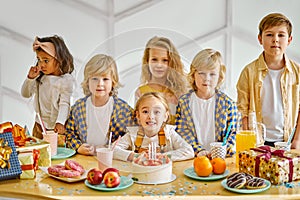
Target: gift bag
{"type": "Point", "coordinates": [9, 164]}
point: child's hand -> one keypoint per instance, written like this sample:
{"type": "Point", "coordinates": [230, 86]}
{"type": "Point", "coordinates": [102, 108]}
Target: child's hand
{"type": "Point", "coordinates": [34, 72]}
{"type": "Point", "coordinates": [59, 128]}
{"type": "Point", "coordinates": [86, 149]}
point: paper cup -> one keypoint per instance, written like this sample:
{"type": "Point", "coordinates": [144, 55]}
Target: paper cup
{"type": "Point", "coordinates": [282, 146]}
{"type": "Point", "coordinates": [104, 157]}
{"type": "Point", "coordinates": [51, 137]}
{"type": "Point", "coordinates": [217, 150]}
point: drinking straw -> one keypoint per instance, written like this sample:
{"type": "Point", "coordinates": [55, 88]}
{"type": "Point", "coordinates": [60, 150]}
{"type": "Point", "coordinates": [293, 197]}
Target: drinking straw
{"type": "Point", "coordinates": [114, 145]}
{"type": "Point", "coordinates": [291, 136]}
{"type": "Point", "coordinates": [109, 141]}
{"type": "Point", "coordinates": [227, 134]}
{"type": "Point", "coordinates": [42, 123]}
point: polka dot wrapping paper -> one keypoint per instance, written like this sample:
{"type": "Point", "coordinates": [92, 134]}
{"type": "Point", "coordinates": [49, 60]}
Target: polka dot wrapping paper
{"type": "Point", "coordinates": [13, 169]}
{"type": "Point", "coordinates": [276, 169]}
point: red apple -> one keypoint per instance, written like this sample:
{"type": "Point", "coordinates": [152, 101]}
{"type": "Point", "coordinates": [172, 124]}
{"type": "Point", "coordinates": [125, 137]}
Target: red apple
{"type": "Point", "coordinates": [94, 176]}
{"type": "Point", "coordinates": [110, 169]}
{"type": "Point", "coordinates": [111, 179]}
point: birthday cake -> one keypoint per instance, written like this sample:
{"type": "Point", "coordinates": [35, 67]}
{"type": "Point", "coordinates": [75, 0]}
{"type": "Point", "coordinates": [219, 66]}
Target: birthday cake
{"type": "Point", "coordinates": [152, 171]}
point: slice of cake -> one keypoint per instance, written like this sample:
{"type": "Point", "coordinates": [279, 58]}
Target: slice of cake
{"type": "Point", "coordinates": [152, 171]}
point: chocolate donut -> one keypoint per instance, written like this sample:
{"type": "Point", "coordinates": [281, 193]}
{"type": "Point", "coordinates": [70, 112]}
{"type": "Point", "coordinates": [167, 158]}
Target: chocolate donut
{"type": "Point", "coordinates": [248, 176]}
{"type": "Point", "coordinates": [255, 183]}
{"type": "Point", "coordinates": [236, 180]}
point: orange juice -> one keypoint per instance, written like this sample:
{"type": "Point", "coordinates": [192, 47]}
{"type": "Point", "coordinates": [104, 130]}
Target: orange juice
{"type": "Point", "coordinates": [245, 139]}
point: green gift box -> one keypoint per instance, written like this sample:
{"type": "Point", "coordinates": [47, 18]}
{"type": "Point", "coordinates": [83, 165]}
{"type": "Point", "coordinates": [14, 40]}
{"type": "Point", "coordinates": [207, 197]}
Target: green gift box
{"type": "Point", "coordinates": [43, 147]}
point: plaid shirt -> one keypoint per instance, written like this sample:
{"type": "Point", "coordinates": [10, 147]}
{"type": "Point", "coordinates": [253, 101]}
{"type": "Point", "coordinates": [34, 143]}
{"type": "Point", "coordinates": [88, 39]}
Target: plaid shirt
{"type": "Point", "coordinates": [225, 113]}
{"type": "Point", "coordinates": [76, 128]}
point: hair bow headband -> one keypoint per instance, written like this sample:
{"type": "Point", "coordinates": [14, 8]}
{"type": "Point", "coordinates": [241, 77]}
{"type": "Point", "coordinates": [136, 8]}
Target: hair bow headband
{"type": "Point", "coordinates": [48, 47]}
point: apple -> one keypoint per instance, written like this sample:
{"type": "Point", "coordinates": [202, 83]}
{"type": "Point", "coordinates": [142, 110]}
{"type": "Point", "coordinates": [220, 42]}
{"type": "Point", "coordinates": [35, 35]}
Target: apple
{"type": "Point", "coordinates": [110, 169]}
{"type": "Point", "coordinates": [112, 179]}
{"type": "Point", "coordinates": [94, 176]}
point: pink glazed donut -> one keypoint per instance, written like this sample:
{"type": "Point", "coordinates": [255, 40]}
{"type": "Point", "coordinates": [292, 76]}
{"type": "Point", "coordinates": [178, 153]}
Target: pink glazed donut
{"type": "Point", "coordinates": [54, 170]}
{"type": "Point", "coordinates": [73, 165]}
{"type": "Point", "coordinates": [67, 173]}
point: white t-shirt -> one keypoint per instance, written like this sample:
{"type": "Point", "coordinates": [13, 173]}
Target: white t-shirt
{"type": "Point", "coordinates": [272, 107]}
{"type": "Point", "coordinates": [98, 119]}
{"type": "Point", "coordinates": [203, 113]}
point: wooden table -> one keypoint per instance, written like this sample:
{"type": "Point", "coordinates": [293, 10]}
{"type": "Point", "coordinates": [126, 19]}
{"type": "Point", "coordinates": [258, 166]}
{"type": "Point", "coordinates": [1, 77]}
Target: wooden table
{"type": "Point", "coordinates": [45, 187]}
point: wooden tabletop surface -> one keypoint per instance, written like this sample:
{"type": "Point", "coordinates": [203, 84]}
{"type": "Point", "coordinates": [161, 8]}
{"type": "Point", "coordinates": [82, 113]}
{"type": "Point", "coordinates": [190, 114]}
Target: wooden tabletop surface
{"type": "Point", "coordinates": [183, 187]}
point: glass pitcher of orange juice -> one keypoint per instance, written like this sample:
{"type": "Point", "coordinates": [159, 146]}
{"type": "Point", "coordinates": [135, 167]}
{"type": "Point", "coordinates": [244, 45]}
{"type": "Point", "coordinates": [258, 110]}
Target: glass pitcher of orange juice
{"type": "Point", "coordinates": [246, 139]}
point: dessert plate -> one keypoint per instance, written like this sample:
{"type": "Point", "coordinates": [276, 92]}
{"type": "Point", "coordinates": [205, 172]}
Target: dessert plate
{"type": "Point", "coordinates": [246, 191]}
{"type": "Point", "coordinates": [189, 172]}
{"type": "Point", "coordinates": [69, 180]}
{"type": "Point", "coordinates": [173, 177]}
{"type": "Point", "coordinates": [63, 153]}
{"type": "Point", "coordinates": [125, 183]}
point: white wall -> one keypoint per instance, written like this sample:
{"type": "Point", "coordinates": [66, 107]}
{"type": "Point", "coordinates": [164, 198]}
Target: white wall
{"type": "Point", "coordinates": [229, 26]}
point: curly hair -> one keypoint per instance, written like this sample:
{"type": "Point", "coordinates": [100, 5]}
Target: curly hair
{"type": "Point", "coordinates": [101, 64]}
{"type": "Point", "coordinates": [176, 78]}
{"type": "Point", "coordinates": [207, 59]}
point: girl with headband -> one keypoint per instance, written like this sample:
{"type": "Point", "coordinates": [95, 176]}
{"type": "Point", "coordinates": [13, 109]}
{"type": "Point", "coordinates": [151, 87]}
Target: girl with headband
{"type": "Point", "coordinates": [51, 82]}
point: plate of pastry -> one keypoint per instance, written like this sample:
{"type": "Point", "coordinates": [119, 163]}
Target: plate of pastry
{"type": "Point", "coordinates": [69, 171]}
{"type": "Point", "coordinates": [244, 183]}
{"type": "Point", "coordinates": [190, 172]}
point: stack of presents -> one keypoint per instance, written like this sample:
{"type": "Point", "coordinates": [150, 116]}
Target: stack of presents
{"type": "Point", "coordinates": [20, 153]}
{"type": "Point", "coordinates": [277, 166]}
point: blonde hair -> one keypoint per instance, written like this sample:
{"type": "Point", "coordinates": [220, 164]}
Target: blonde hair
{"type": "Point", "coordinates": [275, 19]}
{"type": "Point", "coordinates": [98, 65]}
{"type": "Point", "coordinates": [207, 59]}
{"type": "Point", "coordinates": [176, 78]}
{"type": "Point", "coordinates": [159, 96]}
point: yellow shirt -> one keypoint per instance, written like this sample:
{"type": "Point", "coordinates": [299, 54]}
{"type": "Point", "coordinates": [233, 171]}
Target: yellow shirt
{"type": "Point", "coordinates": [249, 88]}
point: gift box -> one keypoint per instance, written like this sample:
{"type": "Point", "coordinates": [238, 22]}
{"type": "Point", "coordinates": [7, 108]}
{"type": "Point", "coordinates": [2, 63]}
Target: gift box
{"type": "Point", "coordinates": [29, 163]}
{"type": "Point", "coordinates": [277, 166]}
{"type": "Point", "coordinates": [44, 148]}
{"type": "Point", "coordinates": [9, 164]}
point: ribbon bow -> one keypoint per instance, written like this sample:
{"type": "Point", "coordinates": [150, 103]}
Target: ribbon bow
{"type": "Point", "coordinates": [267, 154]}
{"type": "Point", "coordinates": [48, 47]}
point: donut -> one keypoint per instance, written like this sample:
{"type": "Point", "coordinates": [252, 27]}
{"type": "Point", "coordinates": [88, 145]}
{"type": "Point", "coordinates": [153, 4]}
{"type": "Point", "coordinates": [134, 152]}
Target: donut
{"type": "Point", "coordinates": [73, 165]}
{"type": "Point", "coordinates": [236, 180]}
{"type": "Point", "coordinates": [248, 176]}
{"type": "Point", "coordinates": [255, 183]}
{"type": "Point", "coordinates": [69, 173]}
{"type": "Point", "coordinates": [54, 170]}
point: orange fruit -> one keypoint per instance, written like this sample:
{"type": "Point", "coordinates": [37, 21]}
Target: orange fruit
{"type": "Point", "coordinates": [219, 165]}
{"type": "Point", "coordinates": [202, 166]}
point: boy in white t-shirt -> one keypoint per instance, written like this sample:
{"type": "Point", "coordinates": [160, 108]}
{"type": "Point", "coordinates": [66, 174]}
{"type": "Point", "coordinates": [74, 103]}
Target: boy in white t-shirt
{"type": "Point", "coordinates": [100, 113]}
{"type": "Point", "coordinates": [269, 86]}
